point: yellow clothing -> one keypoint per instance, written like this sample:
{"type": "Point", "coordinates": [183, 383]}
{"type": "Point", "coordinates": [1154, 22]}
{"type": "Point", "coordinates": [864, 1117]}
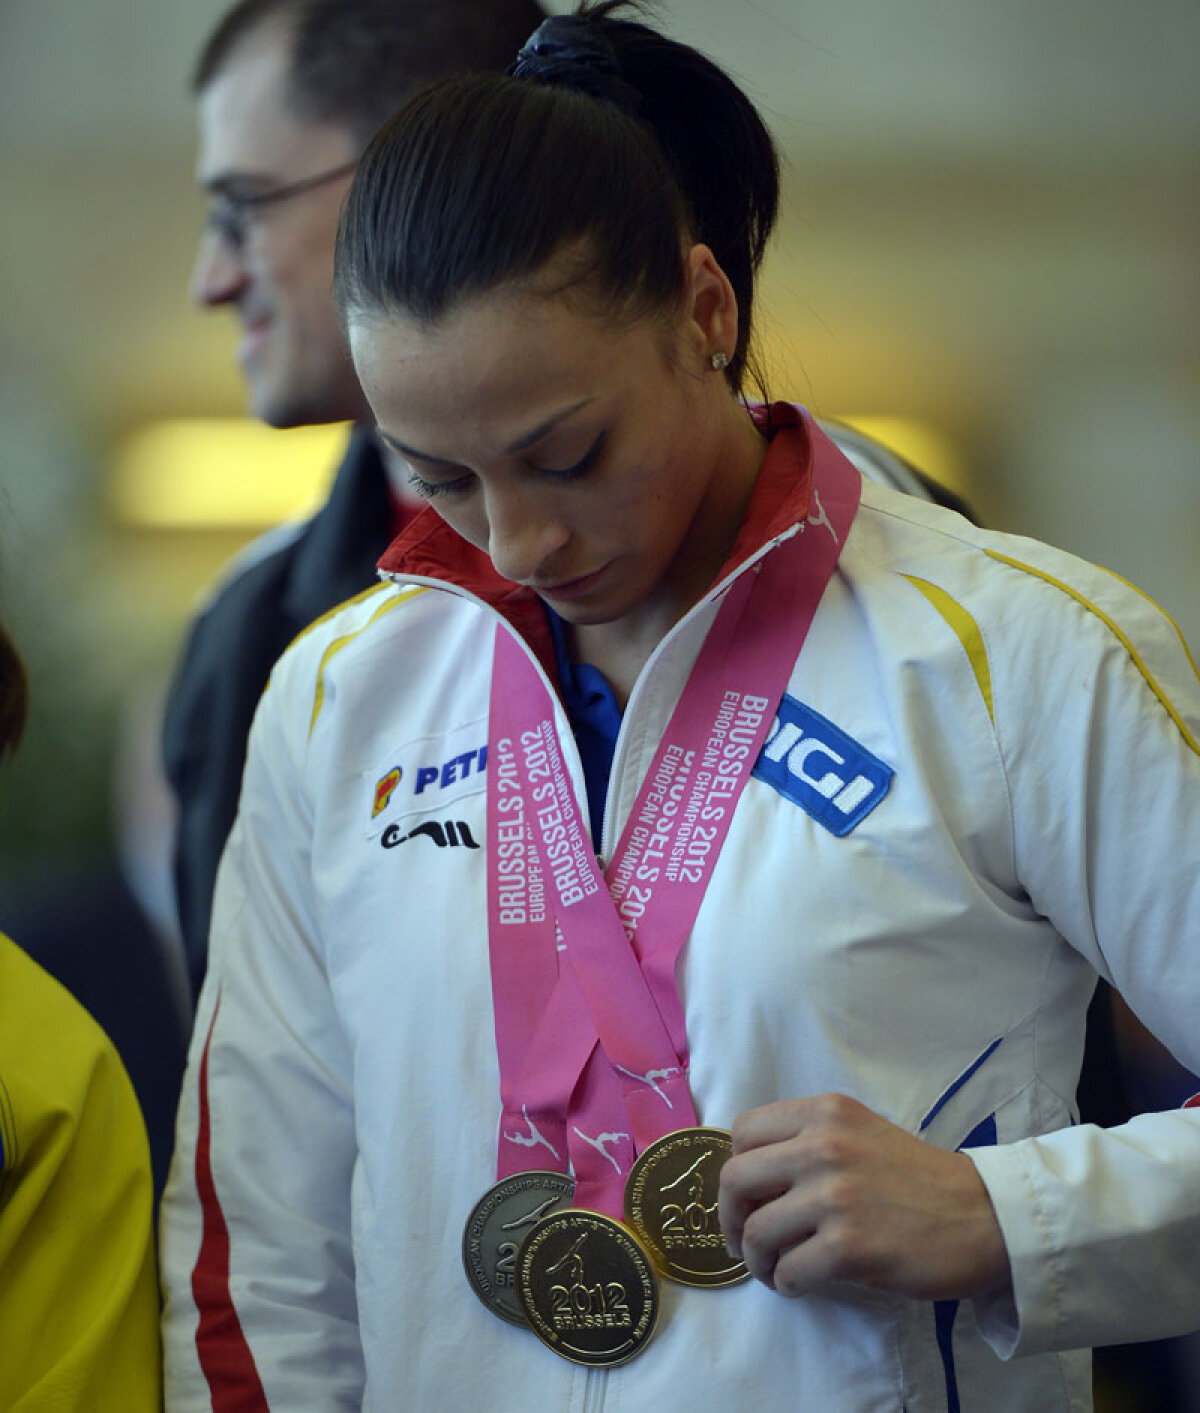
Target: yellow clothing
{"type": "Point", "coordinates": [78, 1292]}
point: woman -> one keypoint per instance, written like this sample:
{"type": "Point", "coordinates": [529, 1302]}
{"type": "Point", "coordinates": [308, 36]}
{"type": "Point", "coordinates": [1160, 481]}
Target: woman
{"type": "Point", "coordinates": [858, 881]}
{"type": "Point", "coordinates": [78, 1288]}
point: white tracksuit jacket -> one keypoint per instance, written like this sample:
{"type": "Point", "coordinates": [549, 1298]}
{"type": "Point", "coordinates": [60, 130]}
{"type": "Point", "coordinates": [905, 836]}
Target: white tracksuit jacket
{"type": "Point", "coordinates": [1029, 730]}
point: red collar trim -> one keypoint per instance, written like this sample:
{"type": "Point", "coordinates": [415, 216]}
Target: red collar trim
{"type": "Point", "coordinates": [780, 496]}
{"type": "Point", "coordinates": [428, 548]}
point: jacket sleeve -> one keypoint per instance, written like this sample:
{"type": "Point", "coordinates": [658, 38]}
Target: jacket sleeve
{"type": "Point", "coordinates": [256, 1243]}
{"type": "Point", "coordinates": [78, 1289]}
{"type": "Point", "coordinates": [1098, 720]}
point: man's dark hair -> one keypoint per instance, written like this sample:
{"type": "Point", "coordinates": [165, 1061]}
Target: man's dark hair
{"type": "Point", "coordinates": [356, 61]}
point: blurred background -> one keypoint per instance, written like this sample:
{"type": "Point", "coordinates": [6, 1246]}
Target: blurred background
{"type": "Point", "coordinates": [991, 231]}
{"type": "Point", "coordinates": [990, 240]}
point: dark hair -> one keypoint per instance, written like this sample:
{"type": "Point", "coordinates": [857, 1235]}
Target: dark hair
{"type": "Point", "coordinates": [13, 694]}
{"type": "Point", "coordinates": [483, 180]}
{"type": "Point", "coordinates": [356, 61]}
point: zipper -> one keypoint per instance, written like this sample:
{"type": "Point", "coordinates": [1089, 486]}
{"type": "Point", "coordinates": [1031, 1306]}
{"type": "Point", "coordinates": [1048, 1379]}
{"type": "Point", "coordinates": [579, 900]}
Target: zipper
{"type": "Point", "coordinates": [595, 1388]}
{"type": "Point", "coordinates": [747, 566]}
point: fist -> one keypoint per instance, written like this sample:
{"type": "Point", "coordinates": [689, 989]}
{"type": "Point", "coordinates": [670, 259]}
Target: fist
{"type": "Point", "coordinates": [824, 1190]}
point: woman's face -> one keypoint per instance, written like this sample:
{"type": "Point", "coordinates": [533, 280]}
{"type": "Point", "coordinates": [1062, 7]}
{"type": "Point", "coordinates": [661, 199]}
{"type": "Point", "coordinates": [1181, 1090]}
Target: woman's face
{"type": "Point", "coordinates": [604, 466]}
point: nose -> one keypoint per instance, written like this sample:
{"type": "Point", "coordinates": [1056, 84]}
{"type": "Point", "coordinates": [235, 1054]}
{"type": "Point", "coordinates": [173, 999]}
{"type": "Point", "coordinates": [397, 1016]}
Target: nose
{"type": "Point", "coordinates": [523, 531]}
{"type": "Point", "coordinates": [219, 275]}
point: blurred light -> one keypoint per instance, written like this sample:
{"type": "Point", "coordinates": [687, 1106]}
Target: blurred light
{"type": "Point", "coordinates": [920, 444]}
{"type": "Point", "coordinates": [222, 473]}
{"type": "Point", "coordinates": [219, 473]}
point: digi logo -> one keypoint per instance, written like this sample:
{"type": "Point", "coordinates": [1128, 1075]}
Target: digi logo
{"type": "Point", "coordinates": [385, 789]}
{"type": "Point", "coordinates": [813, 763]}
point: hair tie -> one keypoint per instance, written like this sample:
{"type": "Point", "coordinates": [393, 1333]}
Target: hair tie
{"type": "Point", "coordinates": [568, 51]}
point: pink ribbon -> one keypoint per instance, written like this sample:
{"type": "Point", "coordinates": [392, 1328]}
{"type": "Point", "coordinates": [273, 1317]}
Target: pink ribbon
{"type": "Point", "coordinates": [590, 1026]}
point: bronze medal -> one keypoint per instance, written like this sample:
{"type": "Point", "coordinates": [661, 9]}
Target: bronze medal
{"type": "Point", "coordinates": [588, 1287]}
{"type": "Point", "coordinates": [671, 1202]}
{"type": "Point", "coordinates": [500, 1221]}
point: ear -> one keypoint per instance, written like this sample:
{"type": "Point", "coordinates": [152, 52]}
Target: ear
{"type": "Point", "coordinates": [711, 310]}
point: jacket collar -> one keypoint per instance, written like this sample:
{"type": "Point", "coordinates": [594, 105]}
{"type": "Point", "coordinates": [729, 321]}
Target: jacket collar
{"type": "Point", "coordinates": [429, 549]}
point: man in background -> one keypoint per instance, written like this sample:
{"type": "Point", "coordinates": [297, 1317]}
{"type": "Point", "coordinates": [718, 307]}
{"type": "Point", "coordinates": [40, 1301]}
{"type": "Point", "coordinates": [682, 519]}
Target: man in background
{"type": "Point", "coordinates": [289, 92]}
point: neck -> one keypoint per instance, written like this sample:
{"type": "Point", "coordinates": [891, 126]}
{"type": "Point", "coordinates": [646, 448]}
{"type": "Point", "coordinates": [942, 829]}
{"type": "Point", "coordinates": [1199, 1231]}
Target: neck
{"type": "Point", "coordinates": [621, 649]}
{"type": "Point", "coordinates": [615, 652]}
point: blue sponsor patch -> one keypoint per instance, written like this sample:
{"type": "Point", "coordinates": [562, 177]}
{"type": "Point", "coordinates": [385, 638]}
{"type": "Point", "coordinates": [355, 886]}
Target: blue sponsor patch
{"type": "Point", "coordinates": [813, 763]}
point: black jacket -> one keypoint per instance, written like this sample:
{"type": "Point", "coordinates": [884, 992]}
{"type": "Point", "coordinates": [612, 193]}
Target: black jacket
{"type": "Point", "coordinates": [227, 658]}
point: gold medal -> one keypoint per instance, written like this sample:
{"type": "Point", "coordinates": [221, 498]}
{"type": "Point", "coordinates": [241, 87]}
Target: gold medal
{"type": "Point", "coordinates": [588, 1287]}
{"type": "Point", "coordinates": [500, 1221]}
{"type": "Point", "coordinates": [671, 1202]}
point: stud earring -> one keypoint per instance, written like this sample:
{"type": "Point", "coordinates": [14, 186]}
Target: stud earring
{"type": "Point", "coordinates": [719, 361]}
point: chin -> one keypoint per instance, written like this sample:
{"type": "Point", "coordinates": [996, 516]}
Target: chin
{"type": "Point", "coordinates": [282, 412]}
{"type": "Point", "coordinates": [283, 407]}
{"type": "Point", "coordinates": [582, 615]}
{"type": "Point", "coordinates": [265, 406]}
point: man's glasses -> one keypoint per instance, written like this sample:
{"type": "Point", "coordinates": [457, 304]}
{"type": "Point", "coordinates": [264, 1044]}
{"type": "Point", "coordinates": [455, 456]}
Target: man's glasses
{"type": "Point", "coordinates": [231, 217]}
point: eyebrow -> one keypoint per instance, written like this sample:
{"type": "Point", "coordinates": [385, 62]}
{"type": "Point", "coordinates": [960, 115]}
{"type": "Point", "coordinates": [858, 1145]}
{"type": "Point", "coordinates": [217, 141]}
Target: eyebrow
{"type": "Point", "coordinates": [522, 443]}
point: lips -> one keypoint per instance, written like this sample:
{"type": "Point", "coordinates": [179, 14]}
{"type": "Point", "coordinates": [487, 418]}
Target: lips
{"type": "Point", "coordinates": [571, 588]}
{"type": "Point", "coordinates": [254, 335]}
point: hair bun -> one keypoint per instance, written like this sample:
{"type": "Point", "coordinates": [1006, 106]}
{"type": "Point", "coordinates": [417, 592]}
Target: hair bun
{"type": "Point", "coordinates": [569, 51]}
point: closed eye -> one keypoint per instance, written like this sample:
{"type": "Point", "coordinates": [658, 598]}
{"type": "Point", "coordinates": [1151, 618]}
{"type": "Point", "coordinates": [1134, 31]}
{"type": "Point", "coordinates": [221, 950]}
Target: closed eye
{"type": "Point", "coordinates": [457, 485]}
{"type": "Point", "coordinates": [430, 489]}
{"type": "Point", "coordinates": [581, 467]}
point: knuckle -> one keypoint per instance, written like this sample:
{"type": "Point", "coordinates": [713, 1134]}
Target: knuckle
{"type": "Point", "coordinates": [850, 1252]}
{"type": "Point", "coordinates": [840, 1193]}
{"type": "Point", "coordinates": [789, 1281]}
{"type": "Point", "coordinates": [837, 1109]}
{"type": "Point", "coordinates": [829, 1150]}
{"type": "Point", "coordinates": [754, 1235]}
{"type": "Point", "coordinates": [841, 1249]}
{"type": "Point", "coordinates": [741, 1132]}
{"type": "Point", "coordinates": [732, 1177]}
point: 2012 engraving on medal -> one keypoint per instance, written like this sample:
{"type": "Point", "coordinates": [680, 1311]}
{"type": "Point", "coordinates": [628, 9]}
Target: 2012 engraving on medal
{"type": "Point", "coordinates": [671, 1202]}
{"type": "Point", "coordinates": [579, 1306]}
{"type": "Point", "coordinates": [588, 1288]}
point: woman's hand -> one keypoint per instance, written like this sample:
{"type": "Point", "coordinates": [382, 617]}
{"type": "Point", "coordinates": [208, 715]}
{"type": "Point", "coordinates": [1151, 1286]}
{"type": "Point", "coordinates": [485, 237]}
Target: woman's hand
{"type": "Point", "coordinates": [821, 1190]}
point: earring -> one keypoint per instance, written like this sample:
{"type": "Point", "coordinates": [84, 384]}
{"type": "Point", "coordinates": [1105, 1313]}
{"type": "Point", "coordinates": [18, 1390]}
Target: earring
{"type": "Point", "coordinates": [718, 361]}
